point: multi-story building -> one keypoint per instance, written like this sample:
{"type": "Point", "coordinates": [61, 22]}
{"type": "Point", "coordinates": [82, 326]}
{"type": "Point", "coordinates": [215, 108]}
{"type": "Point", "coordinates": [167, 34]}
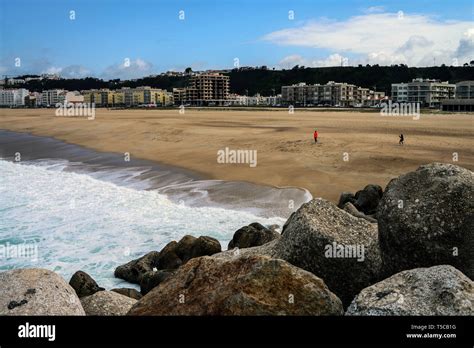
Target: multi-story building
{"type": "Point", "coordinates": [116, 98]}
{"type": "Point", "coordinates": [361, 96]}
{"type": "Point", "coordinates": [256, 100]}
{"type": "Point", "coordinates": [375, 98]}
{"type": "Point", "coordinates": [33, 100]}
{"type": "Point", "coordinates": [464, 101]}
{"type": "Point", "coordinates": [301, 94]}
{"type": "Point", "coordinates": [100, 97]}
{"type": "Point", "coordinates": [13, 97]}
{"type": "Point", "coordinates": [430, 92]}
{"type": "Point", "coordinates": [208, 88]}
{"type": "Point", "coordinates": [128, 97]}
{"type": "Point", "coordinates": [274, 100]}
{"type": "Point", "coordinates": [465, 90]}
{"type": "Point", "coordinates": [330, 94]}
{"type": "Point", "coordinates": [339, 94]}
{"type": "Point", "coordinates": [179, 96]}
{"type": "Point", "coordinates": [400, 92]}
{"type": "Point", "coordinates": [51, 97]}
{"type": "Point", "coordinates": [147, 96]}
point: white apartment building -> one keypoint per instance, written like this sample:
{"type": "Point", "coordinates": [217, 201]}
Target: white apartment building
{"type": "Point", "coordinates": [330, 94]}
{"type": "Point", "coordinates": [429, 92]}
{"type": "Point", "coordinates": [13, 97]}
{"type": "Point", "coordinates": [424, 91]}
{"type": "Point", "coordinates": [51, 97]}
{"type": "Point", "coordinates": [244, 100]}
{"type": "Point", "coordinates": [400, 92]}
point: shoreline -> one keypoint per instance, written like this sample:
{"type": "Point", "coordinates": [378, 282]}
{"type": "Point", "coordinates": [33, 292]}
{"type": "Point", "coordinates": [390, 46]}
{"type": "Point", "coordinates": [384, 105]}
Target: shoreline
{"type": "Point", "coordinates": [180, 185]}
{"type": "Point", "coordinates": [287, 155]}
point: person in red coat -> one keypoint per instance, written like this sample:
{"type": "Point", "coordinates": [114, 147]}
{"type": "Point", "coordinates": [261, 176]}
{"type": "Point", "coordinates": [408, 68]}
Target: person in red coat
{"type": "Point", "coordinates": [315, 135]}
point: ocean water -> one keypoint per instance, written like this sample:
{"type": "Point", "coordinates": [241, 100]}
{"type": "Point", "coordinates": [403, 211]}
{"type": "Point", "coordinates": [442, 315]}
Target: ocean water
{"type": "Point", "coordinates": [67, 221]}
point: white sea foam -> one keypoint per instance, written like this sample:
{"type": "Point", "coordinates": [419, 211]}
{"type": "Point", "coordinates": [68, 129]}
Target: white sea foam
{"type": "Point", "coordinates": [81, 223]}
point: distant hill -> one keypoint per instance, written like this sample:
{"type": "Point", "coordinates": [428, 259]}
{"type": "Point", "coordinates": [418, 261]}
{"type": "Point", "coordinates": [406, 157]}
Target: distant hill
{"type": "Point", "coordinates": [267, 82]}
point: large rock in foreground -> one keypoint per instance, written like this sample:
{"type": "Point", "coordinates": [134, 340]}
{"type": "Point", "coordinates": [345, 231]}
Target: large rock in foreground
{"type": "Point", "coordinates": [37, 292]}
{"type": "Point", "coordinates": [252, 235]}
{"type": "Point", "coordinates": [332, 244]}
{"type": "Point", "coordinates": [439, 290]}
{"type": "Point", "coordinates": [84, 284]}
{"type": "Point", "coordinates": [107, 303]}
{"type": "Point", "coordinates": [254, 285]}
{"type": "Point", "coordinates": [426, 218]}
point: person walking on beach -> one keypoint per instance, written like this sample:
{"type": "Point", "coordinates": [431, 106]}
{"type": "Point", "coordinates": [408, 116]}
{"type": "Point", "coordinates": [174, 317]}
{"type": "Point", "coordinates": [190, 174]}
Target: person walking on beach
{"type": "Point", "coordinates": [315, 135]}
{"type": "Point", "coordinates": [401, 139]}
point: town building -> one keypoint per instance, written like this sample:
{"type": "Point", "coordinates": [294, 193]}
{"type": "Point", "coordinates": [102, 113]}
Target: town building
{"type": "Point", "coordinates": [465, 90]}
{"type": "Point", "coordinates": [244, 100]}
{"type": "Point", "coordinates": [179, 96]}
{"type": "Point", "coordinates": [33, 100]}
{"type": "Point", "coordinates": [464, 101]}
{"type": "Point", "coordinates": [204, 89]}
{"type": "Point", "coordinates": [126, 96]}
{"type": "Point", "coordinates": [400, 92]}
{"type": "Point", "coordinates": [13, 97]}
{"type": "Point", "coordinates": [51, 97]}
{"type": "Point", "coordinates": [426, 92]}
{"type": "Point", "coordinates": [301, 94]}
{"type": "Point", "coordinates": [14, 81]}
{"type": "Point", "coordinates": [457, 105]}
{"type": "Point", "coordinates": [73, 97]}
{"type": "Point", "coordinates": [375, 98]}
{"type": "Point", "coordinates": [331, 94]}
{"type": "Point", "coordinates": [429, 92]}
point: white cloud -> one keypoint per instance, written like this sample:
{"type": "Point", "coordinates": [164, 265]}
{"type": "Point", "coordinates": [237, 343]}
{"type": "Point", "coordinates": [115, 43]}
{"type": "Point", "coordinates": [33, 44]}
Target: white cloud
{"type": "Point", "coordinates": [128, 70]}
{"type": "Point", "coordinates": [52, 70]}
{"type": "Point", "coordinates": [385, 38]}
{"type": "Point", "coordinates": [332, 60]}
{"type": "Point", "coordinates": [466, 45]}
{"type": "Point", "coordinates": [374, 9]}
{"type": "Point", "coordinates": [290, 61]}
{"type": "Point", "coordinates": [68, 72]}
{"type": "Point", "coordinates": [75, 71]}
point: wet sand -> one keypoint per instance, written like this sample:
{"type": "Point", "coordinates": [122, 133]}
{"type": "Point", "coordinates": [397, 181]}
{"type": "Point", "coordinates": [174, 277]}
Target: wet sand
{"type": "Point", "coordinates": [354, 149]}
{"type": "Point", "coordinates": [181, 186]}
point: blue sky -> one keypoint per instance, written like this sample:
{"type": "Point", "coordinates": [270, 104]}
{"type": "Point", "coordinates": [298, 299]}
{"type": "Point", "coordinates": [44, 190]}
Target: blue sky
{"type": "Point", "coordinates": [150, 33]}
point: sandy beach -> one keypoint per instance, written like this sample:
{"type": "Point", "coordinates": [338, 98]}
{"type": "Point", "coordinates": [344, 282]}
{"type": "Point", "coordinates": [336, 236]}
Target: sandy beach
{"type": "Point", "coordinates": [354, 149]}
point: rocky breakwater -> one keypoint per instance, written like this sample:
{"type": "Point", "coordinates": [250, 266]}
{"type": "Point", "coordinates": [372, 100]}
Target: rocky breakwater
{"type": "Point", "coordinates": [332, 244]}
{"type": "Point", "coordinates": [423, 219]}
{"type": "Point", "coordinates": [253, 285]}
{"type": "Point", "coordinates": [407, 250]}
